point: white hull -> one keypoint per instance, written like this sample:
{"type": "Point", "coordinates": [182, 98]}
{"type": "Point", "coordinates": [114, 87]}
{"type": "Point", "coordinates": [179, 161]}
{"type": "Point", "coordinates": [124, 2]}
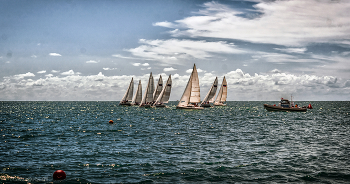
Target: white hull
{"type": "Point", "coordinates": [189, 107]}
{"type": "Point", "coordinates": [219, 104]}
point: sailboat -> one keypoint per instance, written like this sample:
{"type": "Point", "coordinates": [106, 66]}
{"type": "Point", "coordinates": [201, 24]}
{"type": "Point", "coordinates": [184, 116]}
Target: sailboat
{"type": "Point", "coordinates": [191, 96]}
{"type": "Point", "coordinates": [147, 99]}
{"type": "Point", "coordinates": [158, 89]}
{"type": "Point", "coordinates": [164, 94]}
{"type": "Point", "coordinates": [211, 94]}
{"type": "Point", "coordinates": [126, 100]}
{"type": "Point", "coordinates": [221, 98]}
{"type": "Point", "coordinates": [138, 95]}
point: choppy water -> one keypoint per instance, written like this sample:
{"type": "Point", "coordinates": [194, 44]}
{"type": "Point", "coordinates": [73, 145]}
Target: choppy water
{"type": "Point", "coordinates": [241, 143]}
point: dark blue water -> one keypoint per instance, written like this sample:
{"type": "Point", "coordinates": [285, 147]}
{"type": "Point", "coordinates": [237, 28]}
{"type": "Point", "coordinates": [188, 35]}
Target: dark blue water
{"type": "Point", "coordinates": [241, 143]}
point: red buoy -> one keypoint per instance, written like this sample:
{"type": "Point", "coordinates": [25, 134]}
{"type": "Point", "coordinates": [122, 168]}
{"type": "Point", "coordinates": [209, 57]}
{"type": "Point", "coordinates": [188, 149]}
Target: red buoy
{"type": "Point", "coordinates": [309, 106]}
{"type": "Point", "coordinates": [110, 121]}
{"type": "Point", "coordinates": [59, 175]}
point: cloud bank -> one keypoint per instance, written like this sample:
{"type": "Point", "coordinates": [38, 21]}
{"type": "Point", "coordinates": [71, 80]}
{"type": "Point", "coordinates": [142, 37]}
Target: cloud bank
{"type": "Point", "coordinates": [241, 86]}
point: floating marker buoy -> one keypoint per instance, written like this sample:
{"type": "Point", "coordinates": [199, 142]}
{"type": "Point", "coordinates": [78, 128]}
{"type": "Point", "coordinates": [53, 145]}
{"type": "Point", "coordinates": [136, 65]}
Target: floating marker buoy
{"type": "Point", "coordinates": [309, 106]}
{"type": "Point", "coordinates": [59, 175]}
{"type": "Point", "coordinates": [274, 104]}
{"type": "Point", "coordinates": [110, 121]}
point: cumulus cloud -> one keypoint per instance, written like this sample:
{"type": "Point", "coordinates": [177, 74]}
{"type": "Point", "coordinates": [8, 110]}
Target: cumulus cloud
{"type": "Point", "coordinates": [42, 71]}
{"type": "Point", "coordinates": [241, 86]}
{"type": "Point", "coordinates": [289, 23]}
{"type": "Point", "coordinates": [55, 54]}
{"type": "Point", "coordinates": [92, 61]}
{"type": "Point", "coordinates": [136, 64]}
{"type": "Point", "coordinates": [55, 71]}
{"type": "Point", "coordinates": [169, 69]}
{"type": "Point", "coordinates": [110, 68]}
{"type": "Point", "coordinates": [21, 76]}
{"type": "Point", "coordinates": [177, 50]}
{"type": "Point", "coordinates": [198, 70]}
{"type": "Point", "coordinates": [70, 72]}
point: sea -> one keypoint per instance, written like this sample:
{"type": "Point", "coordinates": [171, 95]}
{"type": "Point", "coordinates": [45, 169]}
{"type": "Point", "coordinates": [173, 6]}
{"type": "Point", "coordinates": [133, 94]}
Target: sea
{"type": "Point", "coordinates": [237, 143]}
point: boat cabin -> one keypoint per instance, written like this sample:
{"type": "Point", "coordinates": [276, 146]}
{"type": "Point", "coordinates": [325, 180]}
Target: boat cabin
{"type": "Point", "coordinates": [284, 103]}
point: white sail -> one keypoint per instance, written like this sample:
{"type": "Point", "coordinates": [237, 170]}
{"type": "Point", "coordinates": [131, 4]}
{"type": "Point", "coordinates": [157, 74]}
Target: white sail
{"type": "Point", "coordinates": [138, 95]}
{"type": "Point", "coordinates": [165, 94]}
{"type": "Point", "coordinates": [192, 91]}
{"type": "Point", "coordinates": [221, 98]}
{"type": "Point", "coordinates": [159, 88]}
{"type": "Point", "coordinates": [211, 93]}
{"type": "Point", "coordinates": [128, 94]}
{"type": "Point", "coordinates": [148, 95]}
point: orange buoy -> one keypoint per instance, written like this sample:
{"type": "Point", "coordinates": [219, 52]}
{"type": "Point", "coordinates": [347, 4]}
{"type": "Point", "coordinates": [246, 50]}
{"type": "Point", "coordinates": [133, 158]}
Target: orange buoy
{"type": "Point", "coordinates": [59, 175]}
{"type": "Point", "coordinates": [309, 106]}
{"type": "Point", "coordinates": [110, 121]}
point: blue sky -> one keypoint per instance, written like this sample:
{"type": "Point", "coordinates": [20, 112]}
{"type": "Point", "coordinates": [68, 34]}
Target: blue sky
{"type": "Point", "coordinates": [90, 50]}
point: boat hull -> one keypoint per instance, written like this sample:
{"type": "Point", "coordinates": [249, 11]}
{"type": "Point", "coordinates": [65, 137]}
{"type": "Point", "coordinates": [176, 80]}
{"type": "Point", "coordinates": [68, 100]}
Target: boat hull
{"type": "Point", "coordinates": [189, 107]}
{"type": "Point", "coordinates": [206, 105]}
{"type": "Point", "coordinates": [278, 108]}
{"type": "Point", "coordinates": [125, 104]}
{"type": "Point", "coordinates": [160, 105]}
{"type": "Point", "coordinates": [219, 104]}
{"type": "Point", "coordinates": [146, 105]}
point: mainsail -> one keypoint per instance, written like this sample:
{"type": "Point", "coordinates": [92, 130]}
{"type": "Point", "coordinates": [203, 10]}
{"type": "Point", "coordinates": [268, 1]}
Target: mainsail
{"type": "Point", "coordinates": [211, 94]}
{"type": "Point", "coordinates": [221, 98]}
{"type": "Point", "coordinates": [138, 95]}
{"type": "Point", "coordinates": [128, 94]}
{"type": "Point", "coordinates": [165, 94]}
{"type": "Point", "coordinates": [148, 96]}
{"type": "Point", "coordinates": [158, 88]}
{"type": "Point", "coordinates": [192, 91]}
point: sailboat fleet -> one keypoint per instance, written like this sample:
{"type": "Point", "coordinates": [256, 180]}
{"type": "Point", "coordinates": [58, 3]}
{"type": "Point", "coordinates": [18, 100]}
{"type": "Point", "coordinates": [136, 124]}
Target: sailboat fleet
{"type": "Point", "coordinates": [158, 96]}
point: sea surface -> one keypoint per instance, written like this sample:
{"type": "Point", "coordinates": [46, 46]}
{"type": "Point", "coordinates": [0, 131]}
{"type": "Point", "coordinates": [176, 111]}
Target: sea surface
{"type": "Point", "coordinates": [239, 143]}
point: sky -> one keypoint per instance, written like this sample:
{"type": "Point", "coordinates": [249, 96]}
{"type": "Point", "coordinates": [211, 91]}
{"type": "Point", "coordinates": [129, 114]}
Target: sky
{"type": "Point", "coordinates": [85, 50]}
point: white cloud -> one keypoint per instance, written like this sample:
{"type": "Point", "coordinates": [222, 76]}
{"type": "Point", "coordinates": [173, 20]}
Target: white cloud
{"type": "Point", "coordinates": [241, 86]}
{"type": "Point", "coordinates": [289, 23]}
{"type": "Point", "coordinates": [55, 54]}
{"type": "Point", "coordinates": [136, 64]}
{"type": "Point", "coordinates": [42, 71]}
{"type": "Point", "coordinates": [92, 61]}
{"type": "Point", "coordinates": [55, 71]}
{"type": "Point", "coordinates": [198, 70]}
{"type": "Point", "coordinates": [169, 69]}
{"type": "Point", "coordinates": [49, 75]}
{"type": "Point", "coordinates": [178, 50]}
{"type": "Point", "coordinates": [70, 72]}
{"type": "Point", "coordinates": [124, 57]}
{"type": "Point", "coordinates": [109, 68]}
{"type": "Point", "coordinates": [145, 64]}
{"type": "Point", "coordinates": [293, 50]}
{"type": "Point", "coordinates": [33, 56]}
